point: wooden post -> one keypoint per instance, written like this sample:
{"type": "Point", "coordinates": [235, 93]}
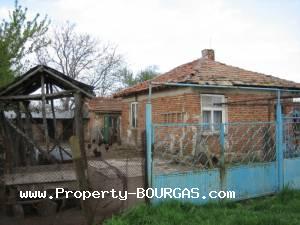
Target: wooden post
{"type": "Point", "coordinates": [56, 141]}
{"type": "Point", "coordinates": [81, 177]}
{"type": "Point", "coordinates": [47, 92]}
{"type": "Point", "coordinates": [53, 114]}
{"type": "Point", "coordinates": [29, 140]}
{"type": "Point", "coordinates": [44, 112]}
{"type": "Point", "coordinates": [18, 155]}
{"type": "Point", "coordinates": [28, 130]}
{"type": "Point", "coordinates": [9, 144]}
{"type": "Point", "coordinates": [79, 132]}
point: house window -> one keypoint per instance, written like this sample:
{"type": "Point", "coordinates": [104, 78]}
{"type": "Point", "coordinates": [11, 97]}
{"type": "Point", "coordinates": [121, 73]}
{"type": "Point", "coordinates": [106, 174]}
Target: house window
{"type": "Point", "coordinates": [174, 117]}
{"type": "Point", "coordinates": [213, 113]}
{"type": "Point", "coordinates": [133, 114]}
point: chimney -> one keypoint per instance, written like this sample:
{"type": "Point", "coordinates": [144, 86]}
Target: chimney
{"type": "Point", "coordinates": [208, 54]}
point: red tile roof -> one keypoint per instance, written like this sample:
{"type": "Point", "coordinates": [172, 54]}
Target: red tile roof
{"type": "Point", "coordinates": [101, 104]}
{"type": "Point", "coordinates": [210, 72]}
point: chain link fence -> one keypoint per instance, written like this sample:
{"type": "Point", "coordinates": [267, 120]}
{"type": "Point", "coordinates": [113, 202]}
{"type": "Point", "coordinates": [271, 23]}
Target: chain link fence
{"type": "Point", "coordinates": [123, 175]}
{"type": "Point", "coordinates": [182, 147]}
{"type": "Point", "coordinates": [121, 169]}
{"type": "Point", "coordinates": [109, 166]}
{"type": "Point", "coordinates": [247, 143]}
{"type": "Point", "coordinates": [291, 131]}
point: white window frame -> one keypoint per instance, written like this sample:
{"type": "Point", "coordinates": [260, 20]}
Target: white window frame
{"type": "Point", "coordinates": [212, 109]}
{"type": "Point", "coordinates": [134, 104]}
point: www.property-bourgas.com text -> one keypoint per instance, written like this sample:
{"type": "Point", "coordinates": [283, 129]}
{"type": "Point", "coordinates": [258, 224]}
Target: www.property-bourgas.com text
{"type": "Point", "coordinates": [175, 193]}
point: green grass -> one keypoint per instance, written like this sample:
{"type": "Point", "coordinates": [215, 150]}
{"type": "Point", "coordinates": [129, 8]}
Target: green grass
{"type": "Point", "coordinates": [281, 209]}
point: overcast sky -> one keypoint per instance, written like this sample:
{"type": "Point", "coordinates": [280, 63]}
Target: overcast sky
{"type": "Point", "coordinates": [259, 35]}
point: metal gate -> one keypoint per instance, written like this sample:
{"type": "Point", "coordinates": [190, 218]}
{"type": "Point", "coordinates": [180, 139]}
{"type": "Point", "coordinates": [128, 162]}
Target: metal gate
{"type": "Point", "coordinates": [291, 150]}
{"type": "Point", "coordinates": [250, 158]}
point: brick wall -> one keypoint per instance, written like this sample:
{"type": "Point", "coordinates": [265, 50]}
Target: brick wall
{"type": "Point", "coordinates": [189, 105]}
{"type": "Point", "coordinates": [252, 112]}
{"type": "Point", "coordinates": [186, 104]}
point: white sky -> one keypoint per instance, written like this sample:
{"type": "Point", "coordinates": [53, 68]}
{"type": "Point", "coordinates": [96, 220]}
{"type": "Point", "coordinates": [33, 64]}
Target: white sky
{"type": "Point", "coordinates": [262, 36]}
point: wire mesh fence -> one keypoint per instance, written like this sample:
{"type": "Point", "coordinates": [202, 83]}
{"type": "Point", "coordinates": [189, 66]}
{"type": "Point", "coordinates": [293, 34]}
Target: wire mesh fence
{"type": "Point", "coordinates": [179, 147]}
{"type": "Point", "coordinates": [110, 166]}
{"type": "Point", "coordinates": [183, 147]}
{"type": "Point", "coordinates": [250, 142]}
{"type": "Point", "coordinates": [121, 170]}
{"type": "Point", "coordinates": [291, 129]}
{"type": "Point", "coordinates": [122, 175]}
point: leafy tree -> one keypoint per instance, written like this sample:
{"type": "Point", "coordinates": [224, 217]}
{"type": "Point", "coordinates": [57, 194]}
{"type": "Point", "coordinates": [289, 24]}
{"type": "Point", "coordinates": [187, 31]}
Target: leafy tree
{"type": "Point", "coordinates": [129, 79]}
{"type": "Point", "coordinates": [19, 37]}
{"type": "Point", "coordinates": [147, 74]}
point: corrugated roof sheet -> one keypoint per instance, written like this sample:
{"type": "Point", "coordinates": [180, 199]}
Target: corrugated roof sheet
{"type": "Point", "coordinates": [209, 72]}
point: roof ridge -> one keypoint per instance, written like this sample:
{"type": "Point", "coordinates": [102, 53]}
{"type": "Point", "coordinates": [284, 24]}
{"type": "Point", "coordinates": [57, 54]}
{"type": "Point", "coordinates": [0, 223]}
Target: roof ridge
{"type": "Point", "coordinates": [203, 71]}
{"type": "Point", "coordinates": [157, 77]}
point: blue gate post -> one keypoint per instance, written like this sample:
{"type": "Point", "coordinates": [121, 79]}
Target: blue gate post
{"type": "Point", "coordinates": [149, 138]}
{"type": "Point", "coordinates": [279, 142]}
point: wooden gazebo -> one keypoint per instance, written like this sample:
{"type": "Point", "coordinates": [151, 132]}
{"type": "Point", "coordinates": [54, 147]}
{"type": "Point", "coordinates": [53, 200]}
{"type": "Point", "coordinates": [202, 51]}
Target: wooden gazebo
{"type": "Point", "coordinates": [16, 97]}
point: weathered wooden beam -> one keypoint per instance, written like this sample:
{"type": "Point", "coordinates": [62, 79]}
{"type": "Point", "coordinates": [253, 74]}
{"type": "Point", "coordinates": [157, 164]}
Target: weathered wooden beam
{"type": "Point", "coordinates": [79, 129]}
{"type": "Point", "coordinates": [80, 169]}
{"type": "Point", "coordinates": [54, 124]}
{"type": "Point", "coordinates": [28, 130]}
{"type": "Point", "coordinates": [53, 113]}
{"type": "Point", "coordinates": [62, 149]}
{"type": "Point", "coordinates": [19, 150]}
{"type": "Point", "coordinates": [45, 125]}
{"type": "Point", "coordinates": [10, 88]}
{"type": "Point", "coordinates": [61, 94]}
{"type": "Point", "coordinates": [70, 84]}
{"type": "Point", "coordinates": [28, 139]}
{"type": "Point", "coordinates": [20, 81]}
{"type": "Point", "coordinates": [8, 145]}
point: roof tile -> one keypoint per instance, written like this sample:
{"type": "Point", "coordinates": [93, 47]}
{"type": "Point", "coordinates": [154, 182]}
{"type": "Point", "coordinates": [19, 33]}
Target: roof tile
{"type": "Point", "coordinates": [101, 104]}
{"type": "Point", "coordinates": [210, 72]}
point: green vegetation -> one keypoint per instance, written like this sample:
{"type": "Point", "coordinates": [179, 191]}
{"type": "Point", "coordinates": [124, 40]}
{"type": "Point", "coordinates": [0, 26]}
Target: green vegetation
{"type": "Point", "coordinates": [129, 79]}
{"type": "Point", "coordinates": [19, 37]}
{"type": "Point", "coordinates": [282, 209]}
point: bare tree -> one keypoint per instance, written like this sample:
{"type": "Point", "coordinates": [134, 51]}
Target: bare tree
{"type": "Point", "coordinates": [82, 57]}
{"type": "Point", "coordinates": [106, 74]}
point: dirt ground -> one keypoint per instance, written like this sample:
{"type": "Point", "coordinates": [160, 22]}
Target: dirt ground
{"type": "Point", "coordinates": [71, 216]}
{"type": "Point", "coordinates": [67, 217]}
{"type": "Point", "coordinates": [127, 160]}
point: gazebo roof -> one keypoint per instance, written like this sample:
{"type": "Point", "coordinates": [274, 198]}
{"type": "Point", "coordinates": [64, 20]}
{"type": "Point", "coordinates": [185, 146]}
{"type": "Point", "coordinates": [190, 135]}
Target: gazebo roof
{"type": "Point", "coordinates": [31, 81]}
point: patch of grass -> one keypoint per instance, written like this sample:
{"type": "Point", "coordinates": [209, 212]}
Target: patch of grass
{"type": "Point", "coordinates": [281, 209]}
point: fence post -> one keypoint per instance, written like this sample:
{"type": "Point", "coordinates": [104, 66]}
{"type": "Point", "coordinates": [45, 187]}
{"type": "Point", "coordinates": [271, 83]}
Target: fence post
{"type": "Point", "coordinates": [79, 167]}
{"type": "Point", "coordinates": [222, 142]}
{"type": "Point", "coordinates": [222, 157]}
{"type": "Point", "coordinates": [279, 142]}
{"type": "Point", "coordinates": [149, 139]}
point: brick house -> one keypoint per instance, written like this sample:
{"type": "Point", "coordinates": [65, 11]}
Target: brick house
{"type": "Point", "coordinates": [172, 104]}
{"type": "Point", "coordinates": [104, 120]}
